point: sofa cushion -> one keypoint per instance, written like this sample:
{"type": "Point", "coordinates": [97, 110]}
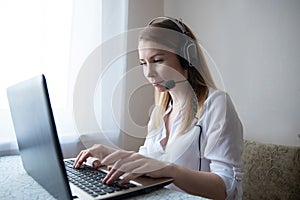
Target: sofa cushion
{"type": "Point", "coordinates": [271, 171]}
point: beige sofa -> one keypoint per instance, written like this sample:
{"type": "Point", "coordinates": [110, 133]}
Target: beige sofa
{"type": "Point", "coordinates": [271, 171]}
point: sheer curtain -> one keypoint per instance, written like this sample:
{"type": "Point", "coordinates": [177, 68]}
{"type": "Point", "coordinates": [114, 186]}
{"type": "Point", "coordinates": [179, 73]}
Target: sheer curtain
{"type": "Point", "coordinates": [100, 69]}
{"type": "Point", "coordinates": [54, 38]}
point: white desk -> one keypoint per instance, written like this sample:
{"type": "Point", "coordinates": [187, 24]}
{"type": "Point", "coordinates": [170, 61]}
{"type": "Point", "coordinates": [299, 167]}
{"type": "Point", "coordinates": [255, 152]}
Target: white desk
{"type": "Point", "coordinates": [17, 184]}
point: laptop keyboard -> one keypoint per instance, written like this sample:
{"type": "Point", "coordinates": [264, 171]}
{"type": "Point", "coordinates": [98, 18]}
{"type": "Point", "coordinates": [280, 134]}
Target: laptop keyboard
{"type": "Point", "coordinates": [90, 179]}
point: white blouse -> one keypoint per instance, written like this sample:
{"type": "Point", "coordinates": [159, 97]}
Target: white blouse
{"type": "Point", "coordinates": [221, 143]}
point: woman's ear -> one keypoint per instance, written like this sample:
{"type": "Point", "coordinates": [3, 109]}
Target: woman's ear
{"type": "Point", "coordinates": [186, 73]}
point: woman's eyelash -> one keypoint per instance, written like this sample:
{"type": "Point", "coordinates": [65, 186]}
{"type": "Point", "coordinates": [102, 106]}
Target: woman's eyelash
{"type": "Point", "coordinates": [158, 60]}
{"type": "Point", "coordinates": [154, 61]}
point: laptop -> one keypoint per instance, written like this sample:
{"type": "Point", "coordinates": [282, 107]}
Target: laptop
{"type": "Point", "coordinates": [41, 153]}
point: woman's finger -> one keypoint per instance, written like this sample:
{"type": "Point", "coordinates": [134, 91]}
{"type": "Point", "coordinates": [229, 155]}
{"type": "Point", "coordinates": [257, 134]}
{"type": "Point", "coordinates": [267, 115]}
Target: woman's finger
{"type": "Point", "coordinates": [112, 176]}
{"type": "Point", "coordinates": [132, 170]}
{"type": "Point", "coordinates": [77, 158]}
{"type": "Point", "coordinates": [78, 161]}
{"type": "Point", "coordinates": [128, 177]}
{"type": "Point", "coordinates": [82, 158]}
{"type": "Point", "coordinates": [123, 167]}
{"type": "Point", "coordinates": [115, 156]}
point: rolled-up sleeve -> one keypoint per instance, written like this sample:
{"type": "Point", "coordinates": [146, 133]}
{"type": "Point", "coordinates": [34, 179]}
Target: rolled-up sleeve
{"type": "Point", "coordinates": [232, 178]}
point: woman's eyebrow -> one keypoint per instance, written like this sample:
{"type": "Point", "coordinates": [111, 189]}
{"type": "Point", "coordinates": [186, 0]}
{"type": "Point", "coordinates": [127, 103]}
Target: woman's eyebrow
{"type": "Point", "coordinates": [158, 54]}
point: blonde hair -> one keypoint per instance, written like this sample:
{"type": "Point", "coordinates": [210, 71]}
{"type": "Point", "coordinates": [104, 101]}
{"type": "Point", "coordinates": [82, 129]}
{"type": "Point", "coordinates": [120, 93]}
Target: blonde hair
{"type": "Point", "coordinates": [199, 76]}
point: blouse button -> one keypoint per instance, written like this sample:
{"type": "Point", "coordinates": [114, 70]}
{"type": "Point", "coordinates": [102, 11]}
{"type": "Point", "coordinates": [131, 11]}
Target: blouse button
{"type": "Point", "coordinates": [238, 179]}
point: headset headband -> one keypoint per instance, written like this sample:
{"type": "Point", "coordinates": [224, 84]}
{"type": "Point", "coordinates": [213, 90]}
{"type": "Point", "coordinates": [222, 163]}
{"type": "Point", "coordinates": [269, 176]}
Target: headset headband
{"type": "Point", "coordinates": [175, 21]}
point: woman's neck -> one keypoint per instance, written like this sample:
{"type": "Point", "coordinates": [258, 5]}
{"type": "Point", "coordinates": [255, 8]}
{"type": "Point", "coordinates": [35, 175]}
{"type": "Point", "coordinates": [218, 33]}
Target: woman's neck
{"type": "Point", "coordinates": [182, 93]}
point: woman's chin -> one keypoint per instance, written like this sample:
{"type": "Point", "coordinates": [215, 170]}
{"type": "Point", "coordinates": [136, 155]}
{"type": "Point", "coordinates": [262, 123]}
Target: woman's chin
{"type": "Point", "coordinates": [161, 89]}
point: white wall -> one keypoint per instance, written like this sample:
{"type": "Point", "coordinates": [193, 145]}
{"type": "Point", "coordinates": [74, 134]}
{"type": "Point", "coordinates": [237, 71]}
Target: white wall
{"type": "Point", "coordinates": [256, 46]}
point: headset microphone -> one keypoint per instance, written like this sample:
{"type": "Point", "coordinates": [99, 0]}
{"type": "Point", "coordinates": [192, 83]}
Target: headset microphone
{"type": "Point", "coordinates": [171, 84]}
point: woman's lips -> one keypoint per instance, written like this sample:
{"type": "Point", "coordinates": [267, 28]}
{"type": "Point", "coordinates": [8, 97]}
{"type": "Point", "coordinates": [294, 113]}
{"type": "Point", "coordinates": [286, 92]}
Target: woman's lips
{"type": "Point", "coordinates": [157, 84]}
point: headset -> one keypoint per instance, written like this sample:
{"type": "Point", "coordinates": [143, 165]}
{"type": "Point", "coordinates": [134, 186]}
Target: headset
{"type": "Point", "coordinates": [189, 53]}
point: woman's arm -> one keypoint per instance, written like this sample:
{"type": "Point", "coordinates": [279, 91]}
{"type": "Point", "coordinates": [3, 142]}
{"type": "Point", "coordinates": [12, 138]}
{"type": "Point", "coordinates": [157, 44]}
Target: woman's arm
{"type": "Point", "coordinates": [198, 183]}
{"type": "Point", "coordinates": [205, 184]}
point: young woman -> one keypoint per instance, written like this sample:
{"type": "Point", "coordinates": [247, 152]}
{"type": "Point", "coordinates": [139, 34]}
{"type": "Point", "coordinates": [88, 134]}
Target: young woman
{"type": "Point", "coordinates": [194, 133]}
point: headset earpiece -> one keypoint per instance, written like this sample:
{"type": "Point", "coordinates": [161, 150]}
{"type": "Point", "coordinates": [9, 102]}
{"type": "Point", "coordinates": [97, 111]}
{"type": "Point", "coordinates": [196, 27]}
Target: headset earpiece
{"type": "Point", "coordinates": [191, 54]}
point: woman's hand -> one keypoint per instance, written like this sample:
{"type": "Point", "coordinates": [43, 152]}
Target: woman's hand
{"type": "Point", "coordinates": [132, 165]}
{"type": "Point", "coordinates": [127, 163]}
{"type": "Point", "coordinates": [98, 151]}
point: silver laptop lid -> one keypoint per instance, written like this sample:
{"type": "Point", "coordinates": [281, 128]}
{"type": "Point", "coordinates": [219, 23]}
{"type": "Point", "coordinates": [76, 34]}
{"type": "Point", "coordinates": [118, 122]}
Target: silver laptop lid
{"type": "Point", "coordinates": [36, 135]}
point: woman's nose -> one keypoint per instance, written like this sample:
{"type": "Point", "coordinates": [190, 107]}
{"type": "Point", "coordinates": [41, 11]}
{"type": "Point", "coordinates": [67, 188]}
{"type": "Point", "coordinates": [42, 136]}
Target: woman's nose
{"type": "Point", "coordinates": [149, 70]}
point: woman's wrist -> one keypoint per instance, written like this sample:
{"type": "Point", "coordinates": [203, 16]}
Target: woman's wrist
{"type": "Point", "coordinates": [171, 170]}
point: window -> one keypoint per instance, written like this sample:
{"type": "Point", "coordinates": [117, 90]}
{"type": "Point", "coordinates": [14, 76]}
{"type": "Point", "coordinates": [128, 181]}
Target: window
{"type": "Point", "coordinates": [35, 38]}
{"type": "Point", "coordinates": [52, 37]}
